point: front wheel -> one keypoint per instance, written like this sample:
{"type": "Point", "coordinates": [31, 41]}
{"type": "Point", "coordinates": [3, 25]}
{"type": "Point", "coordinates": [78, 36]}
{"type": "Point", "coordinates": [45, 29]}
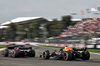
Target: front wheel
{"type": "Point", "coordinates": [15, 54]}
{"type": "Point", "coordinates": [46, 54]}
{"type": "Point", "coordinates": [67, 56]}
{"type": "Point", "coordinates": [5, 53]}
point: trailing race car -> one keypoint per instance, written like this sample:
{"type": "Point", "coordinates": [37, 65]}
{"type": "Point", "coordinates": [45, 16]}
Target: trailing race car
{"type": "Point", "coordinates": [67, 54]}
{"type": "Point", "coordinates": [18, 51]}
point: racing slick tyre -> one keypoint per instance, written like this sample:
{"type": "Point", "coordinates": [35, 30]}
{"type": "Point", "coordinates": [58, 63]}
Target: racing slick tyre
{"type": "Point", "coordinates": [15, 54]}
{"type": "Point", "coordinates": [32, 53]}
{"type": "Point", "coordinates": [67, 56]}
{"type": "Point", "coordinates": [46, 54]}
{"type": "Point", "coordinates": [5, 53]}
{"type": "Point", "coordinates": [85, 55]}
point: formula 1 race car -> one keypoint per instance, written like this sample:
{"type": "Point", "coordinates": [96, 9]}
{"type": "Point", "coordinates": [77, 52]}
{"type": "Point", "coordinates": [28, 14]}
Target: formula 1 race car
{"type": "Point", "coordinates": [67, 55]}
{"type": "Point", "coordinates": [18, 51]}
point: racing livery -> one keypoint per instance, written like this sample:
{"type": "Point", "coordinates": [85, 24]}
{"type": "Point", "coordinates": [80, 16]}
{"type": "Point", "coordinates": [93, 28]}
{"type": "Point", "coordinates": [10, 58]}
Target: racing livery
{"type": "Point", "coordinates": [18, 51]}
{"type": "Point", "coordinates": [67, 53]}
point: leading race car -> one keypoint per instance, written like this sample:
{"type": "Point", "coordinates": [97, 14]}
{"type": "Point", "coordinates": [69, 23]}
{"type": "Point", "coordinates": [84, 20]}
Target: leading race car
{"type": "Point", "coordinates": [67, 54]}
{"type": "Point", "coordinates": [18, 51]}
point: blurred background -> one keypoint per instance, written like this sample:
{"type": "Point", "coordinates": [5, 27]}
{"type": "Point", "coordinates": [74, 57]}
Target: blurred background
{"type": "Point", "coordinates": [63, 22]}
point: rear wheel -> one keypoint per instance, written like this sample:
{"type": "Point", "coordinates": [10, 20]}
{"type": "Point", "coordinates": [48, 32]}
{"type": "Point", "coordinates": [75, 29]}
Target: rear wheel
{"type": "Point", "coordinates": [67, 56]}
{"type": "Point", "coordinates": [46, 54]}
{"type": "Point", "coordinates": [32, 53]}
{"type": "Point", "coordinates": [5, 53]}
{"type": "Point", "coordinates": [85, 55]}
{"type": "Point", "coordinates": [15, 53]}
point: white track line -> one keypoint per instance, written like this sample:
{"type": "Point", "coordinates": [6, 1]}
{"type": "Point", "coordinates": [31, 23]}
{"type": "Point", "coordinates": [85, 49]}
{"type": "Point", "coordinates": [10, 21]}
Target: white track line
{"type": "Point", "coordinates": [95, 53]}
{"type": "Point", "coordinates": [2, 49]}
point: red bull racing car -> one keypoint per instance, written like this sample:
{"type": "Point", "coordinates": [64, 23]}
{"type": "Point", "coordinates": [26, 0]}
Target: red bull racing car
{"type": "Point", "coordinates": [67, 54]}
{"type": "Point", "coordinates": [18, 51]}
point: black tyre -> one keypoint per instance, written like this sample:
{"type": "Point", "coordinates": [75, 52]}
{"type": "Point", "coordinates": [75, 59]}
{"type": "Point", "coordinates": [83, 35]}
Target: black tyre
{"type": "Point", "coordinates": [5, 53]}
{"type": "Point", "coordinates": [46, 54]}
{"type": "Point", "coordinates": [15, 53]}
{"type": "Point", "coordinates": [85, 55]}
{"type": "Point", "coordinates": [67, 56]}
{"type": "Point", "coordinates": [32, 53]}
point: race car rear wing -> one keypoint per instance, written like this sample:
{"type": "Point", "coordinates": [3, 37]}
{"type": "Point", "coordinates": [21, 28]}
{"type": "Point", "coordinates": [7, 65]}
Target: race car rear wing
{"type": "Point", "coordinates": [10, 47]}
{"type": "Point", "coordinates": [25, 48]}
{"type": "Point", "coordinates": [79, 49]}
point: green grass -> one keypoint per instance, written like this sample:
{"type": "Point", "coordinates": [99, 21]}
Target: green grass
{"type": "Point", "coordinates": [90, 50]}
{"type": "Point", "coordinates": [3, 46]}
{"type": "Point", "coordinates": [50, 46]}
{"type": "Point", "coordinates": [94, 50]}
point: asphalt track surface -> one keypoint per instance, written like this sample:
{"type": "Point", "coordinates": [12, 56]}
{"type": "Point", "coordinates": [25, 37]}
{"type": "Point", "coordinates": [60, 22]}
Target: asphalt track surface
{"type": "Point", "coordinates": [36, 61]}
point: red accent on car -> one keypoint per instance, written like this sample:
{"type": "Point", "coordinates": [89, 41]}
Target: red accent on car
{"type": "Point", "coordinates": [16, 48]}
{"type": "Point", "coordinates": [22, 50]}
{"type": "Point", "coordinates": [50, 53]}
{"type": "Point", "coordinates": [86, 51]}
